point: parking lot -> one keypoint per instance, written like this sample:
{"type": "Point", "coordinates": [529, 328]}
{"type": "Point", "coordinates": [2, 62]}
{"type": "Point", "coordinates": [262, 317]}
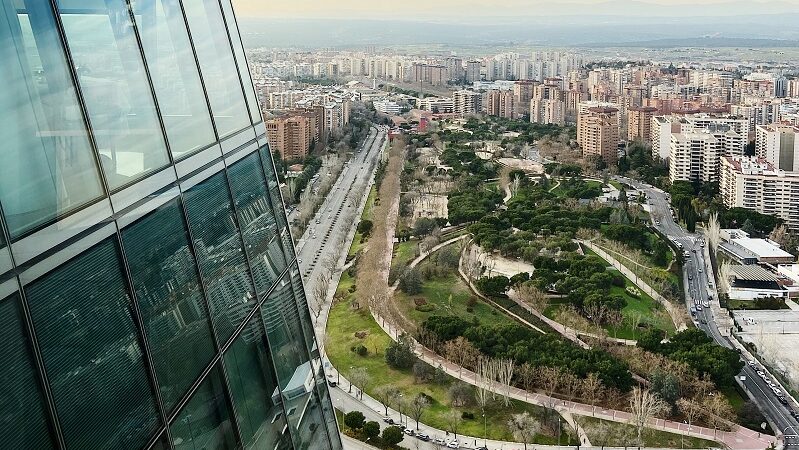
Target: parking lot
{"type": "Point", "coordinates": [776, 336]}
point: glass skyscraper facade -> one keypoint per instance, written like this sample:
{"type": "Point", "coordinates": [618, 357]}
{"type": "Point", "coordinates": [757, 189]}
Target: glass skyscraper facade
{"type": "Point", "coordinates": [150, 296]}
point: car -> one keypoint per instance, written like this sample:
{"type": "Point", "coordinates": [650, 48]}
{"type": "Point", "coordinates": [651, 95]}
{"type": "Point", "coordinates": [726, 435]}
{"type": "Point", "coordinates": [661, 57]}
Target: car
{"type": "Point", "coordinates": [422, 437]}
{"type": "Point", "coordinates": [752, 363]}
{"type": "Point", "coordinates": [332, 383]}
{"type": "Point", "coordinates": [690, 277]}
{"type": "Point", "coordinates": [388, 420]}
{"type": "Point", "coordinates": [702, 244]}
{"type": "Point", "coordinates": [439, 441]}
{"type": "Point", "coordinates": [794, 414]}
{"type": "Point", "coordinates": [657, 222]}
{"type": "Point", "coordinates": [693, 311]}
{"type": "Point", "coordinates": [453, 444]}
{"type": "Point", "coordinates": [706, 305]}
{"type": "Point", "coordinates": [409, 432]}
{"type": "Point", "coordinates": [782, 400]}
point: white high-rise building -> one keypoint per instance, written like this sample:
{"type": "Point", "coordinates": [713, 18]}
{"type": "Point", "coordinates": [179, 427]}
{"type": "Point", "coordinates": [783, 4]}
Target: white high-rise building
{"type": "Point", "coordinates": [756, 184]}
{"type": "Point", "coordinates": [778, 144]}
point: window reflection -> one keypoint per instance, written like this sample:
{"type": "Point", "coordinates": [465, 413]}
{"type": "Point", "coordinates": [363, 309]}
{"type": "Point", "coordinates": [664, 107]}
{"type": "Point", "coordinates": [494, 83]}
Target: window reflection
{"type": "Point", "coordinates": [120, 105]}
{"type": "Point", "coordinates": [220, 254]}
{"type": "Point", "coordinates": [205, 422]}
{"type": "Point", "coordinates": [277, 201]}
{"type": "Point", "coordinates": [255, 391]}
{"type": "Point", "coordinates": [241, 61]}
{"type": "Point", "coordinates": [258, 226]}
{"type": "Point", "coordinates": [170, 300]}
{"type": "Point", "coordinates": [216, 63]}
{"type": "Point", "coordinates": [174, 73]}
{"type": "Point", "coordinates": [48, 166]}
{"type": "Point", "coordinates": [82, 317]}
{"type": "Point", "coordinates": [22, 419]}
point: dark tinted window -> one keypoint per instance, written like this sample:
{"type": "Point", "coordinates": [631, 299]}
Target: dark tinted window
{"type": "Point", "coordinates": [170, 300]}
{"type": "Point", "coordinates": [205, 422]}
{"type": "Point", "coordinates": [22, 420]}
{"type": "Point", "coordinates": [258, 227]}
{"type": "Point", "coordinates": [220, 254]}
{"type": "Point", "coordinates": [253, 387]}
{"type": "Point", "coordinates": [83, 320]}
{"type": "Point", "coordinates": [277, 201]}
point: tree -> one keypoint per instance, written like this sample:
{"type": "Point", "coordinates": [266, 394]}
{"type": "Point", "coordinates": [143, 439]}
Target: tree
{"type": "Point", "coordinates": [531, 295]}
{"type": "Point", "coordinates": [718, 409]}
{"type": "Point", "coordinates": [690, 409]}
{"type": "Point", "coordinates": [527, 375]}
{"type": "Point", "coordinates": [399, 354]}
{"type": "Point", "coordinates": [371, 429]}
{"type": "Point", "coordinates": [453, 419]}
{"type": "Point", "coordinates": [420, 403]}
{"type": "Point", "coordinates": [713, 232]}
{"type": "Point", "coordinates": [392, 435]}
{"type": "Point", "coordinates": [524, 428]}
{"type": "Point", "coordinates": [592, 389]}
{"type": "Point", "coordinates": [644, 405]}
{"type": "Point", "coordinates": [461, 394]}
{"type": "Point", "coordinates": [461, 352]}
{"type": "Point", "coordinates": [423, 226]}
{"type": "Point", "coordinates": [411, 282]}
{"type": "Point", "coordinates": [359, 377]}
{"type": "Point", "coordinates": [666, 386]}
{"type": "Point", "coordinates": [386, 394]}
{"type": "Point", "coordinates": [354, 420]}
{"type": "Point", "coordinates": [365, 227]}
{"type": "Point", "coordinates": [422, 372]}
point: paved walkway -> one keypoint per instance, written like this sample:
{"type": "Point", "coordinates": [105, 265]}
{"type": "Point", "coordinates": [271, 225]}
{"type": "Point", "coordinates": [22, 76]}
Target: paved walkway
{"type": "Point", "coordinates": [674, 313]}
{"type": "Point", "coordinates": [738, 439]}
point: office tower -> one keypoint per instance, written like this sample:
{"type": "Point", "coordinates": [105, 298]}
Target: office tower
{"type": "Point", "coordinates": [598, 133]}
{"type": "Point", "coordinates": [150, 296]}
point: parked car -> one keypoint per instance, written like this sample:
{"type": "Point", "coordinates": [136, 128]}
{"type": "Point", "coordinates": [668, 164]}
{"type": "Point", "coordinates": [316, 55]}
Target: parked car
{"type": "Point", "coordinates": [453, 444]}
{"type": "Point", "coordinates": [408, 431]}
{"type": "Point", "coordinates": [422, 437]}
{"type": "Point", "coordinates": [388, 420]}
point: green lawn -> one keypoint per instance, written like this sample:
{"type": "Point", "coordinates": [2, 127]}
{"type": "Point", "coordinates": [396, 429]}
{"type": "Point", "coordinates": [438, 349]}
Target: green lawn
{"type": "Point", "coordinates": [344, 323]}
{"type": "Point", "coordinates": [357, 245]}
{"type": "Point", "coordinates": [616, 184]}
{"type": "Point", "coordinates": [605, 433]}
{"type": "Point", "coordinates": [405, 252]}
{"type": "Point", "coordinates": [448, 296]}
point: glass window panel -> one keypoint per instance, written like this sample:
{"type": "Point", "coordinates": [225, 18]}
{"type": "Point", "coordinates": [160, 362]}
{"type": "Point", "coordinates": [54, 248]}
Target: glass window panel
{"type": "Point", "coordinates": [217, 65]}
{"type": "Point", "coordinates": [277, 201]}
{"type": "Point", "coordinates": [22, 412]}
{"type": "Point", "coordinates": [120, 105]}
{"type": "Point", "coordinates": [174, 73]}
{"type": "Point", "coordinates": [257, 401]}
{"type": "Point", "coordinates": [241, 61]}
{"type": "Point", "coordinates": [170, 300]}
{"type": "Point", "coordinates": [295, 370]}
{"type": "Point", "coordinates": [90, 346]}
{"type": "Point", "coordinates": [48, 166]}
{"type": "Point", "coordinates": [205, 421]}
{"type": "Point", "coordinates": [220, 254]}
{"type": "Point", "coordinates": [302, 306]}
{"type": "Point", "coordinates": [258, 227]}
{"type": "Point", "coordinates": [328, 413]}
{"type": "Point", "coordinates": [161, 444]}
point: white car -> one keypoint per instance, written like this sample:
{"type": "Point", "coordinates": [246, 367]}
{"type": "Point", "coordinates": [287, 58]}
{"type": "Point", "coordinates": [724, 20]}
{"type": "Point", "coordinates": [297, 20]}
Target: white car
{"type": "Point", "coordinates": [453, 444]}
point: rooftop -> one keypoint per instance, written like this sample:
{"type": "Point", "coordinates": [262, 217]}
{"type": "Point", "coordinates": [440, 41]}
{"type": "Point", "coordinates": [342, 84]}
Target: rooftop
{"type": "Point", "coordinates": [761, 248]}
{"type": "Point", "coordinates": [752, 273]}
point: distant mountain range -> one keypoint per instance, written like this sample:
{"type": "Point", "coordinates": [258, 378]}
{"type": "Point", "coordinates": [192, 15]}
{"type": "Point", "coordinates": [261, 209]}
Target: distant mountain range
{"type": "Point", "coordinates": [701, 42]}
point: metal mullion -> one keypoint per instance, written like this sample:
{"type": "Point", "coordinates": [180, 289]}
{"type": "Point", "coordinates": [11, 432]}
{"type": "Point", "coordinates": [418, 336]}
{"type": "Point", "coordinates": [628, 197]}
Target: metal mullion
{"type": "Point", "coordinates": [235, 62]}
{"type": "Point", "coordinates": [199, 68]}
{"type": "Point", "coordinates": [39, 366]}
{"type": "Point", "coordinates": [203, 292]}
{"type": "Point", "coordinates": [134, 26]}
{"type": "Point", "coordinates": [258, 302]}
{"type": "Point", "coordinates": [138, 322]}
{"type": "Point", "coordinates": [246, 62]}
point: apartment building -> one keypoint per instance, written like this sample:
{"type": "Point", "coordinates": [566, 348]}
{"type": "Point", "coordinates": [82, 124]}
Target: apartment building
{"type": "Point", "coordinates": [598, 133]}
{"type": "Point", "coordinates": [778, 144]}
{"type": "Point", "coordinates": [499, 103]}
{"type": "Point", "coordinates": [694, 156]}
{"type": "Point", "coordinates": [467, 102]}
{"type": "Point", "coordinates": [473, 71]}
{"type": "Point", "coordinates": [730, 132]}
{"type": "Point", "coordinates": [547, 104]}
{"type": "Point", "coordinates": [639, 123]}
{"type": "Point", "coordinates": [757, 184]}
{"type": "Point", "coordinates": [291, 136]}
{"type": "Point", "coordinates": [522, 94]}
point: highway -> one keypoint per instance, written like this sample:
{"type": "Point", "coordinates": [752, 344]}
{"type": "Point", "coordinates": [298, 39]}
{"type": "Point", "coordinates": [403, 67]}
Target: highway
{"type": "Point", "coordinates": [700, 284]}
{"type": "Point", "coordinates": [324, 238]}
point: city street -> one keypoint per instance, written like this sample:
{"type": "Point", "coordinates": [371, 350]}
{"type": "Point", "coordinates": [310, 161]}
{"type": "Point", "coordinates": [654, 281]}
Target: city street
{"type": "Point", "coordinates": [700, 283]}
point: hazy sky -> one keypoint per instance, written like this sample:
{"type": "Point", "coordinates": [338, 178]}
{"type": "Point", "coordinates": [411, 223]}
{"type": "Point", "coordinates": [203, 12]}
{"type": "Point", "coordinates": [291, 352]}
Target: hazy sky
{"type": "Point", "coordinates": [413, 9]}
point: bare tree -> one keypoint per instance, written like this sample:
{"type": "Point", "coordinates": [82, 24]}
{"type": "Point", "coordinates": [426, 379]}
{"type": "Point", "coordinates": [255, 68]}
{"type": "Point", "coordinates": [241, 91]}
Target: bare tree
{"type": "Point", "coordinates": [527, 375]}
{"type": "Point", "coordinates": [644, 405]}
{"type": "Point", "coordinates": [713, 232]}
{"type": "Point", "coordinates": [461, 352]}
{"type": "Point", "coordinates": [360, 377]}
{"type": "Point", "coordinates": [320, 292]}
{"type": "Point", "coordinates": [592, 389]}
{"type": "Point", "coordinates": [515, 184]}
{"type": "Point", "coordinates": [418, 406]}
{"type": "Point", "coordinates": [716, 409]}
{"type": "Point", "coordinates": [725, 273]}
{"type": "Point", "coordinates": [505, 377]}
{"type": "Point", "coordinates": [524, 428]}
{"type": "Point", "coordinates": [453, 419]}
{"type": "Point", "coordinates": [597, 314]}
{"type": "Point", "coordinates": [531, 295]}
{"type": "Point", "coordinates": [690, 409]}
{"type": "Point", "coordinates": [386, 394]}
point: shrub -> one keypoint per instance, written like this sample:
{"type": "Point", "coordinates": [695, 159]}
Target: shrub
{"type": "Point", "coordinates": [467, 415]}
{"type": "Point", "coordinates": [392, 435]}
{"type": "Point", "coordinates": [360, 350]}
{"type": "Point", "coordinates": [426, 308]}
{"type": "Point", "coordinates": [354, 420]}
{"type": "Point", "coordinates": [371, 429]}
{"type": "Point", "coordinates": [399, 355]}
{"type": "Point", "coordinates": [420, 301]}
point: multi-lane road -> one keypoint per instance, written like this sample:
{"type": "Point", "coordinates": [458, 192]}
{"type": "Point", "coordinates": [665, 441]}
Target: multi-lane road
{"type": "Point", "coordinates": [328, 229]}
{"type": "Point", "coordinates": [701, 284]}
